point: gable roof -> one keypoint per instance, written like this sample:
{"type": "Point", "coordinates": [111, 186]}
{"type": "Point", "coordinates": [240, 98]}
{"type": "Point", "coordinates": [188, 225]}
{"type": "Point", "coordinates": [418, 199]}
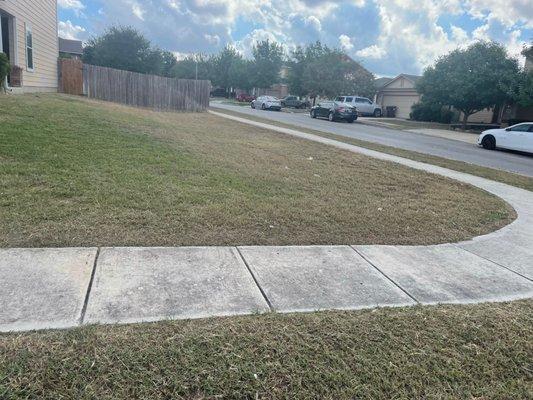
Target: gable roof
{"type": "Point", "coordinates": [412, 78]}
{"type": "Point", "coordinates": [380, 82]}
{"type": "Point", "coordinates": [70, 46]}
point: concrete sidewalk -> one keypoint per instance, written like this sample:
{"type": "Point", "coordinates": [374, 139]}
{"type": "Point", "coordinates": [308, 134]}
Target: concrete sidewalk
{"type": "Point", "coordinates": [61, 288]}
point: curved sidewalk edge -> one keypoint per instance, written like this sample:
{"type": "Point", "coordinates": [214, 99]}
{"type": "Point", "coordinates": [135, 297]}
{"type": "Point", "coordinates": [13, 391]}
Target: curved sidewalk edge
{"type": "Point", "coordinates": [62, 288]}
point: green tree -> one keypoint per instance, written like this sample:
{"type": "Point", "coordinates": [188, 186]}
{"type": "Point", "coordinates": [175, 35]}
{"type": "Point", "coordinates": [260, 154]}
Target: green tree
{"type": "Point", "coordinates": [319, 70]}
{"type": "Point", "coordinates": [127, 49]}
{"type": "Point", "coordinates": [471, 79]}
{"type": "Point", "coordinates": [240, 74]}
{"type": "Point", "coordinates": [192, 67]}
{"type": "Point", "coordinates": [268, 59]}
{"type": "Point", "coordinates": [5, 68]}
{"type": "Point", "coordinates": [222, 65]}
{"type": "Point", "coordinates": [523, 93]}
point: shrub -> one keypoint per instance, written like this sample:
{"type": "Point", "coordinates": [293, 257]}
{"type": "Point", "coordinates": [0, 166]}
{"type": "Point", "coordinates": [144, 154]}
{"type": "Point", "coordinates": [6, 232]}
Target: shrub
{"type": "Point", "coordinates": [5, 68]}
{"type": "Point", "coordinates": [431, 112]}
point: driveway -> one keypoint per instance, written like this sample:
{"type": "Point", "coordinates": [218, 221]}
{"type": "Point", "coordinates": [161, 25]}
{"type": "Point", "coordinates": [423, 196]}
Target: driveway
{"type": "Point", "coordinates": [422, 143]}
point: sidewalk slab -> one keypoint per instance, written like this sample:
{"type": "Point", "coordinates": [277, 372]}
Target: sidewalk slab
{"type": "Point", "coordinates": [151, 284]}
{"type": "Point", "coordinates": [446, 274]}
{"type": "Point", "coordinates": [320, 277]}
{"type": "Point", "coordinates": [43, 288]}
{"type": "Point", "coordinates": [512, 248]}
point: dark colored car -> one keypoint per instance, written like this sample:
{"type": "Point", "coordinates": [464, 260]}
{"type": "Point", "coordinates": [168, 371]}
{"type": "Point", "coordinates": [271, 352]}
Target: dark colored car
{"type": "Point", "coordinates": [293, 102]}
{"type": "Point", "coordinates": [219, 92]}
{"type": "Point", "coordinates": [245, 98]}
{"type": "Point", "coordinates": [334, 111]}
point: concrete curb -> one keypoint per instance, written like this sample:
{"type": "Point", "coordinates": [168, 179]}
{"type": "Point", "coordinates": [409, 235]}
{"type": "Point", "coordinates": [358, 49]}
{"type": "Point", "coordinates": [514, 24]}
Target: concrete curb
{"type": "Point", "coordinates": [63, 288]}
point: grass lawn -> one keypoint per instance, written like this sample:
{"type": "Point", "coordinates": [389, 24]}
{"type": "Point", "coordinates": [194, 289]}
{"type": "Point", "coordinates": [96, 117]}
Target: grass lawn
{"type": "Point", "coordinates": [517, 180]}
{"type": "Point", "coordinates": [82, 173]}
{"type": "Point", "coordinates": [444, 352]}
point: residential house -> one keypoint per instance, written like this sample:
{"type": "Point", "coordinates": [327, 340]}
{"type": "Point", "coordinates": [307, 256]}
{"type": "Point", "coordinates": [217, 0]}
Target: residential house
{"type": "Point", "coordinates": [399, 92]}
{"type": "Point", "coordinates": [70, 48]}
{"type": "Point", "coordinates": [29, 38]}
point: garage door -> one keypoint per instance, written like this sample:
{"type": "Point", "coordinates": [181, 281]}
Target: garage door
{"type": "Point", "coordinates": [404, 104]}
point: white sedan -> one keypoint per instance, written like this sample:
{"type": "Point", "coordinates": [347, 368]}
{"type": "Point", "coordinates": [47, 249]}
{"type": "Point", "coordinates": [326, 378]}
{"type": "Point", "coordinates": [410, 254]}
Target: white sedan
{"type": "Point", "coordinates": [267, 103]}
{"type": "Point", "coordinates": [517, 137]}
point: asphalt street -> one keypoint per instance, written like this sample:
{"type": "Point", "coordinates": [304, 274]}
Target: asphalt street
{"type": "Point", "coordinates": [446, 148]}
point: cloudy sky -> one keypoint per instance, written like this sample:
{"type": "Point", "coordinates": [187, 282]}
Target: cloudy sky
{"type": "Point", "coordinates": [388, 36]}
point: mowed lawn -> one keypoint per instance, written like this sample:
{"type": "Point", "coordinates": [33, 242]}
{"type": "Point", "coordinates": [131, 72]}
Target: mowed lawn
{"type": "Point", "coordinates": [82, 173]}
{"type": "Point", "coordinates": [446, 352]}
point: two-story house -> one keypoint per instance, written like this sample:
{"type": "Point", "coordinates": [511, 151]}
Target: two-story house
{"type": "Point", "coordinates": [29, 38]}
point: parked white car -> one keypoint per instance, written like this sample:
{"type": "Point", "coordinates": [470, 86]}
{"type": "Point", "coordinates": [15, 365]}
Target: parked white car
{"type": "Point", "coordinates": [517, 137]}
{"type": "Point", "coordinates": [267, 103]}
{"type": "Point", "coordinates": [364, 106]}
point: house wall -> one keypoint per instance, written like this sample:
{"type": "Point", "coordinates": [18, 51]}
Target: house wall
{"type": "Point", "coordinates": [483, 116]}
{"type": "Point", "coordinates": [42, 16]}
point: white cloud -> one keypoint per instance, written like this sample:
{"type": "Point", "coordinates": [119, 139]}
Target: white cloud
{"type": "Point", "coordinates": [372, 52]}
{"type": "Point", "coordinates": [508, 12]}
{"type": "Point", "coordinates": [76, 5]}
{"type": "Point", "coordinates": [67, 30]}
{"type": "Point", "coordinates": [137, 11]}
{"type": "Point", "coordinates": [346, 42]}
{"type": "Point", "coordinates": [389, 36]}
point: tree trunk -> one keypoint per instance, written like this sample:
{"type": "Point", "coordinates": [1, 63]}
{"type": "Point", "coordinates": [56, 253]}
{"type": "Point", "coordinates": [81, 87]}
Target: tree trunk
{"type": "Point", "coordinates": [465, 120]}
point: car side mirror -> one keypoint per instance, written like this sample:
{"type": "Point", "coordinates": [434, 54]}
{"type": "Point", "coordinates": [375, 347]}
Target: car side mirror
{"type": "Point", "coordinates": [508, 129]}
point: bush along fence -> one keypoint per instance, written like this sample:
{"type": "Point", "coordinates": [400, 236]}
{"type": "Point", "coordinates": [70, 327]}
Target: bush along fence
{"type": "Point", "coordinates": [139, 90]}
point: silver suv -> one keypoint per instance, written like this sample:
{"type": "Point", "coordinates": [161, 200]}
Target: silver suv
{"type": "Point", "coordinates": [364, 106]}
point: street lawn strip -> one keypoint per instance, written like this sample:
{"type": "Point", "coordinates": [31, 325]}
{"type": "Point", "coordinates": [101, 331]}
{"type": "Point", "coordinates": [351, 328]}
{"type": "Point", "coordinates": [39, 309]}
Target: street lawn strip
{"type": "Point", "coordinates": [433, 352]}
{"type": "Point", "coordinates": [75, 172]}
{"type": "Point", "coordinates": [509, 178]}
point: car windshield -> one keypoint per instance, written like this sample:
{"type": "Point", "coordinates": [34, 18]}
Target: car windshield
{"type": "Point", "coordinates": [340, 99]}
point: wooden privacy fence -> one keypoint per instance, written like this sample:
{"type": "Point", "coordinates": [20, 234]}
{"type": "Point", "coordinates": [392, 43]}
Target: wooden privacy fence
{"type": "Point", "coordinates": [141, 90]}
{"type": "Point", "coordinates": [71, 76]}
{"type": "Point", "coordinates": [133, 89]}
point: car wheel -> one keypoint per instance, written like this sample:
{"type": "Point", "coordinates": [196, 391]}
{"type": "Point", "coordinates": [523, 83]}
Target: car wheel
{"type": "Point", "coordinates": [313, 114]}
{"type": "Point", "coordinates": [263, 107]}
{"type": "Point", "coordinates": [331, 117]}
{"type": "Point", "coordinates": [351, 120]}
{"type": "Point", "coordinates": [253, 105]}
{"type": "Point", "coordinates": [489, 143]}
{"type": "Point", "coordinates": [377, 113]}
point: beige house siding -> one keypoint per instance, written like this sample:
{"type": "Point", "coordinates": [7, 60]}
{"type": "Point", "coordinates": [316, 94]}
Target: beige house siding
{"type": "Point", "coordinates": [41, 15]}
{"type": "Point", "coordinates": [400, 93]}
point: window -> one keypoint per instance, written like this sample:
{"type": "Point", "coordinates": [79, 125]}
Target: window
{"type": "Point", "coordinates": [367, 101]}
{"type": "Point", "coordinates": [29, 48]}
{"type": "Point", "coordinates": [348, 99]}
{"type": "Point", "coordinates": [521, 128]}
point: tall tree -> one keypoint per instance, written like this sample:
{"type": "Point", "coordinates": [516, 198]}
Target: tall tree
{"type": "Point", "coordinates": [192, 67]}
{"type": "Point", "coordinates": [471, 79]}
{"type": "Point", "coordinates": [222, 66]}
{"type": "Point", "coordinates": [320, 70]}
{"type": "Point", "coordinates": [127, 49]}
{"type": "Point", "coordinates": [268, 59]}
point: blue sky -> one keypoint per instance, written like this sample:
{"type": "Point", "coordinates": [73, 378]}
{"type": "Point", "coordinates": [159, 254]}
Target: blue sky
{"type": "Point", "coordinates": [388, 36]}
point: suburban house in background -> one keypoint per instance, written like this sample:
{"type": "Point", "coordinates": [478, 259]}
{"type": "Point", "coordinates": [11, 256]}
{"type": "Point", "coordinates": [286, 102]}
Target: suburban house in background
{"type": "Point", "coordinates": [70, 48]}
{"type": "Point", "coordinates": [29, 38]}
{"type": "Point", "coordinates": [399, 92]}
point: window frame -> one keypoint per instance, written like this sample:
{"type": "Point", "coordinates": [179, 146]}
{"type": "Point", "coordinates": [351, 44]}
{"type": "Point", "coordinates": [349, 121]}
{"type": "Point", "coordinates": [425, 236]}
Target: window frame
{"type": "Point", "coordinates": [29, 29]}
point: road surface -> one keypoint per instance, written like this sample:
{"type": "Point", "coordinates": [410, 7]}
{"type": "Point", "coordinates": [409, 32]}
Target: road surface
{"type": "Point", "coordinates": [436, 146]}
